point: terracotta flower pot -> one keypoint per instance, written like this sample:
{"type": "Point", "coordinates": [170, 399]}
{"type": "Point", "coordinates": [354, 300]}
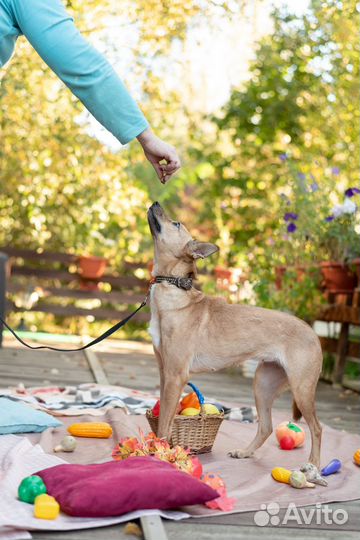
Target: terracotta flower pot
{"type": "Point", "coordinates": [92, 267]}
{"type": "Point", "coordinates": [280, 272]}
{"type": "Point", "coordinates": [355, 265]}
{"type": "Point", "coordinates": [227, 277]}
{"type": "Point", "coordinates": [338, 277]}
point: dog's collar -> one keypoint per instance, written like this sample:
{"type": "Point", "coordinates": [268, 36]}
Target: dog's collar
{"type": "Point", "coordinates": [184, 283]}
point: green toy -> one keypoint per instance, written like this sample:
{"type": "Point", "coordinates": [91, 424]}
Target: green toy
{"type": "Point", "coordinates": [30, 488]}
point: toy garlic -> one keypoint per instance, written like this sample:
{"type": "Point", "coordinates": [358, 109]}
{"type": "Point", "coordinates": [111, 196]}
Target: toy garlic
{"type": "Point", "coordinates": [68, 444]}
{"type": "Point", "coordinates": [298, 480]}
{"type": "Point", "coordinates": [312, 474]}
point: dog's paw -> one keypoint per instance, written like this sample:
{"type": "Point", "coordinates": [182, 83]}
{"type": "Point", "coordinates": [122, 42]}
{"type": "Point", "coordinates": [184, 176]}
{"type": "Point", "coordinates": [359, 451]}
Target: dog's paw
{"type": "Point", "coordinates": [240, 454]}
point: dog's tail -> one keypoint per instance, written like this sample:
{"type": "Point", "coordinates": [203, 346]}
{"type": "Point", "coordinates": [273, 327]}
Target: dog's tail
{"type": "Point", "coordinates": [297, 414]}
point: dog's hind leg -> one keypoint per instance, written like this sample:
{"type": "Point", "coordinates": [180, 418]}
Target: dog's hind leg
{"type": "Point", "coordinates": [270, 380]}
{"type": "Point", "coordinates": [303, 386]}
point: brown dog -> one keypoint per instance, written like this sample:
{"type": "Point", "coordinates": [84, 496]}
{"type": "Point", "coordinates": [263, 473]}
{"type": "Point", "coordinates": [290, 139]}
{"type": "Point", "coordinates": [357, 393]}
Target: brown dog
{"type": "Point", "coordinates": [192, 332]}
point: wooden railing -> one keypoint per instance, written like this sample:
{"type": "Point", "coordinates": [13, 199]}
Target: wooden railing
{"type": "Point", "coordinates": [57, 289]}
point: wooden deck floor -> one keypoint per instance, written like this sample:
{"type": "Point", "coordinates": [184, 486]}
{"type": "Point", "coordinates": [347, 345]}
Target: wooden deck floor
{"type": "Point", "coordinates": [132, 364]}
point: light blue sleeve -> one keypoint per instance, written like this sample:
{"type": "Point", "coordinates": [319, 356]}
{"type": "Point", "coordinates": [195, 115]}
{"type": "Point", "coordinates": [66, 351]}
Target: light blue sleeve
{"type": "Point", "coordinates": [52, 32]}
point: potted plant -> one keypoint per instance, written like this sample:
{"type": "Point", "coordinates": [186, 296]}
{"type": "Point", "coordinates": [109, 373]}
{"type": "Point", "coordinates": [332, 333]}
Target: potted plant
{"type": "Point", "coordinates": [340, 243]}
{"type": "Point", "coordinates": [317, 232]}
{"type": "Point", "coordinates": [92, 263]}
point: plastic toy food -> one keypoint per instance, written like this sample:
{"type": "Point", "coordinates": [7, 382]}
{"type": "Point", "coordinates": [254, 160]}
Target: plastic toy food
{"type": "Point", "coordinates": [156, 408]}
{"type": "Point", "coordinates": [197, 467]}
{"type": "Point", "coordinates": [30, 488]}
{"type": "Point", "coordinates": [223, 502]}
{"type": "Point", "coordinates": [289, 429]}
{"type": "Point", "coordinates": [312, 474]}
{"type": "Point", "coordinates": [357, 457]}
{"type": "Point", "coordinates": [331, 468]}
{"type": "Point", "coordinates": [190, 400]}
{"type": "Point", "coordinates": [190, 411]}
{"type": "Point", "coordinates": [287, 443]}
{"type": "Point", "coordinates": [99, 430]}
{"type": "Point", "coordinates": [46, 507]}
{"type": "Point", "coordinates": [68, 444]}
{"type": "Point", "coordinates": [209, 408]}
{"type": "Point", "coordinates": [281, 475]}
{"type": "Point", "coordinates": [298, 480]}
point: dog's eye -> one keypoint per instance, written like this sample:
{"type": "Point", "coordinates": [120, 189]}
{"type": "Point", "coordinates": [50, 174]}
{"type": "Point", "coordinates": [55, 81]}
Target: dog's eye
{"type": "Point", "coordinates": [176, 224]}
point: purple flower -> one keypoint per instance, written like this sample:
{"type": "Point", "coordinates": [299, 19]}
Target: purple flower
{"type": "Point", "coordinates": [290, 216]}
{"type": "Point", "coordinates": [314, 187]}
{"type": "Point", "coordinates": [350, 192]}
{"type": "Point", "coordinates": [291, 228]}
{"type": "Point", "coordinates": [301, 176]}
{"type": "Point", "coordinates": [335, 171]}
{"type": "Point", "coordinates": [283, 157]}
{"type": "Point", "coordinates": [330, 218]}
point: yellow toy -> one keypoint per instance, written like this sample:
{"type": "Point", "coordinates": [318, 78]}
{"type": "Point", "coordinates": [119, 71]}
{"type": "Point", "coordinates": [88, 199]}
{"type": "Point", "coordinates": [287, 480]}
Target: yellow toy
{"type": "Point", "coordinates": [281, 475]}
{"type": "Point", "coordinates": [99, 430]}
{"type": "Point", "coordinates": [357, 457]}
{"type": "Point", "coordinates": [46, 507]}
{"type": "Point", "coordinates": [190, 411]}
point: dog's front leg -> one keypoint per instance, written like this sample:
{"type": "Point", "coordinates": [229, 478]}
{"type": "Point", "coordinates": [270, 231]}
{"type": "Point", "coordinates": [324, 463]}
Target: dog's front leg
{"type": "Point", "coordinates": [174, 381]}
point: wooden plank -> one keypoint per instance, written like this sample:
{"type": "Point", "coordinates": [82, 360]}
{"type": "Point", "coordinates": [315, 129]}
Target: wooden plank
{"type": "Point", "coordinates": [341, 354]}
{"type": "Point", "coordinates": [73, 311]}
{"type": "Point", "coordinates": [153, 528]}
{"type": "Point", "coordinates": [4, 265]}
{"type": "Point", "coordinates": [331, 345]}
{"type": "Point", "coordinates": [95, 366]}
{"type": "Point", "coordinates": [62, 275]}
{"type": "Point", "coordinates": [341, 313]}
{"type": "Point", "coordinates": [62, 292]}
{"type": "Point", "coordinates": [33, 255]}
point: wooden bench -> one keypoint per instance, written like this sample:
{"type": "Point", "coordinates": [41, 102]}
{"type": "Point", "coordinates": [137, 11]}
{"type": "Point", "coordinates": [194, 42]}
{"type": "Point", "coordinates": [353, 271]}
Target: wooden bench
{"type": "Point", "coordinates": [343, 309]}
{"type": "Point", "coordinates": [50, 283]}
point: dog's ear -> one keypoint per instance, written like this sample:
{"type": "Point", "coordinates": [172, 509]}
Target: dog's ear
{"type": "Point", "coordinates": [199, 250]}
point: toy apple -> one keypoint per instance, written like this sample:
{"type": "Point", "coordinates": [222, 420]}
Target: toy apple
{"type": "Point", "coordinates": [289, 429]}
{"type": "Point", "coordinates": [287, 443]}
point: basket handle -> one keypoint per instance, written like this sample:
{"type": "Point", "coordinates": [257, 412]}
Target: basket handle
{"type": "Point", "coordinates": [199, 396]}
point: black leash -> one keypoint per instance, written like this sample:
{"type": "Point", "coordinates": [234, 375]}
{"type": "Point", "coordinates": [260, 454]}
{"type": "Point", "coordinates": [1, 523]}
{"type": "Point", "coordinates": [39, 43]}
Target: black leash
{"type": "Point", "coordinates": [180, 282]}
{"type": "Point", "coordinates": [103, 336]}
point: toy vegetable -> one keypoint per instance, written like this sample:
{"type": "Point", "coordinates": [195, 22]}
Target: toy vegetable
{"type": "Point", "coordinates": [156, 408]}
{"type": "Point", "coordinates": [312, 474]}
{"type": "Point", "coordinates": [68, 444]}
{"type": "Point", "coordinates": [99, 430]}
{"type": "Point", "coordinates": [298, 480]}
{"type": "Point", "coordinates": [46, 507]}
{"type": "Point", "coordinates": [333, 467]}
{"type": "Point", "coordinates": [197, 467]}
{"type": "Point", "coordinates": [190, 400]}
{"type": "Point", "coordinates": [357, 457]}
{"type": "Point", "coordinates": [287, 443]}
{"type": "Point", "coordinates": [281, 475]}
{"type": "Point", "coordinates": [31, 487]}
{"type": "Point", "coordinates": [289, 429]}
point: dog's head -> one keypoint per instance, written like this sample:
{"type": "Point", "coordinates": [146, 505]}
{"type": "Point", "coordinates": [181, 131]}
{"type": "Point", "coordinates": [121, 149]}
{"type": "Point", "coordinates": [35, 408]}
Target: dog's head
{"type": "Point", "coordinates": [175, 249]}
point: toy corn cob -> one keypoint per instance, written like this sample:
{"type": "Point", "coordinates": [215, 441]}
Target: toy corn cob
{"type": "Point", "coordinates": [99, 430]}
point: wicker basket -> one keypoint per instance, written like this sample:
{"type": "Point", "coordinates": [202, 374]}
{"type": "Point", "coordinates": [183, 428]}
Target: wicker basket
{"type": "Point", "coordinates": [195, 432]}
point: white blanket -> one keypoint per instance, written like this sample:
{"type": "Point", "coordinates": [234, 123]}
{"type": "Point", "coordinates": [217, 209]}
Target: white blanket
{"type": "Point", "coordinates": [18, 459]}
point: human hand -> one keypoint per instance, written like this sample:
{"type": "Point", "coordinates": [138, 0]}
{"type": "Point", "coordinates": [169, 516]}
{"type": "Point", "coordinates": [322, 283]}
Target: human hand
{"type": "Point", "coordinates": [157, 151]}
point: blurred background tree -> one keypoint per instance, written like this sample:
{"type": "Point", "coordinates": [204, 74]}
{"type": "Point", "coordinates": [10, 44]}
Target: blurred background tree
{"type": "Point", "coordinates": [292, 114]}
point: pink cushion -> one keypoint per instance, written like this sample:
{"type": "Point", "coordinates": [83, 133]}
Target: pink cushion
{"type": "Point", "coordinates": [117, 487]}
